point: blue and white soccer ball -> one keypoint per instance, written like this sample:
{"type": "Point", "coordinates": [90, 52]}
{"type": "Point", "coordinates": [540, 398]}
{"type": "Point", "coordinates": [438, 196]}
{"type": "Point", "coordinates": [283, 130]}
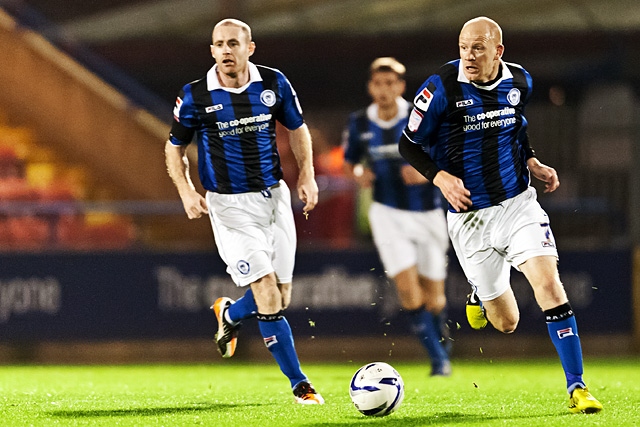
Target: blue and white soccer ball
{"type": "Point", "coordinates": [376, 389]}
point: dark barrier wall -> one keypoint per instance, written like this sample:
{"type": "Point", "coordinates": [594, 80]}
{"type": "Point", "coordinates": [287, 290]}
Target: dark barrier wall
{"type": "Point", "coordinates": [142, 295]}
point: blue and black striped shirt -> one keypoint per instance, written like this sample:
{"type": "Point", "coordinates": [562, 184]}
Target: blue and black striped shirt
{"type": "Point", "coordinates": [371, 141]}
{"type": "Point", "coordinates": [235, 128]}
{"type": "Point", "coordinates": [477, 133]}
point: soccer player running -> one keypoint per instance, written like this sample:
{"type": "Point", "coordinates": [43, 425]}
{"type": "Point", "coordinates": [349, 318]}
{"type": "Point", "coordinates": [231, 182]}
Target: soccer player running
{"type": "Point", "coordinates": [233, 112]}
{"type": "Point", "coordinates": [406, 216]}
{"type": "Point", "coordinates": [467, 134]}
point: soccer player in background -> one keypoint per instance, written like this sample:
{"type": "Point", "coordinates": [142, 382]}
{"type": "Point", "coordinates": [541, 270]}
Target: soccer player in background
{"type": "Point", "coordinates": [233, 112]}
{"type": "Point", "coordinates": [406, 215]}
{"type": "Point", "coordinates": [468, 135]}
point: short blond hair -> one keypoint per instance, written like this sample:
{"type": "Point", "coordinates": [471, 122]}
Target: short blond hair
{"type": "Point", "coordinates": [236, 23]}
{"type": "Point", "coordinates": [387, 64]}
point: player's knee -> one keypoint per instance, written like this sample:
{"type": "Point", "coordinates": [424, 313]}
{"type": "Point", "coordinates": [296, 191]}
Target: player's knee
{"type": "Point", "coordinates": [267, 295]}
{"type": "Point", "coordinates": [411, 304]}
{"type": "Point", "coordinates": [508, 330]}
{"type": "Point", "coordinates": [551, 295]}
{"type": "Point", "coordinates": [505, 324]}
{"type": "Point", "coordinates": [508, 327]}
{"type": "Point", "coordinates": [436, 304]}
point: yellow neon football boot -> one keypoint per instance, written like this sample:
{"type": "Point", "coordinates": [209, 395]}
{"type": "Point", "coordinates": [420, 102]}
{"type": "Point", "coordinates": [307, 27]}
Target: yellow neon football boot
{"type": "Point", "coordinates": [475, 312]}
{"type": "Point", "coordinates": [580, 400]}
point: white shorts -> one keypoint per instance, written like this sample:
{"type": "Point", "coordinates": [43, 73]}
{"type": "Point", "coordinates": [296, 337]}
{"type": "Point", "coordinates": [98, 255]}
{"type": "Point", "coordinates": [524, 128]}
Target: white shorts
{"type": "Point", "coordinates": [488, 242]}
{"type": "Point", "coordinates": [255, 233]}
{"type": "Point", "coordinates": [407, 238]}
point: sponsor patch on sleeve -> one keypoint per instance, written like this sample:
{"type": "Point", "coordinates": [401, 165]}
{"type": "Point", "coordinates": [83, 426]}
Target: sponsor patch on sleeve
{"type": "Point", "coordinates": [176, 109]}
{"type": "Point", "coordinates": [423, 99]}
{"type": "Point", "coordinates": [414, 120]}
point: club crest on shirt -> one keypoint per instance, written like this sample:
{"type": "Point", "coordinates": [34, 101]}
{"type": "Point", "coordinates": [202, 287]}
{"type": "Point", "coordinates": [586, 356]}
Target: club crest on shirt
{"type": "Point", "coordinates": [513, 96]}
{"type": "Point", "coordinates": [243, 267]}
{"type": "Point", "coordinates": [268, 98]}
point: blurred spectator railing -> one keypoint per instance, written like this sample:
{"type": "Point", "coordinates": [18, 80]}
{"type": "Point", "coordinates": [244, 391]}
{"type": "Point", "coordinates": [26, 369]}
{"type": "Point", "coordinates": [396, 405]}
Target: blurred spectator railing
{"type": "Point", "coordinates": [29, 17]}
{"type": "Point", "coordinates": [79, 225]}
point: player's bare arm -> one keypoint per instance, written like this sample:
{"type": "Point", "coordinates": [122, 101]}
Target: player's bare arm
{"type": "Point", "coordinates": [544, 173]}
{"type": "Point", "coordinates": [410, 176]}
{"type": "Point", "coordinates": [178, 167]}
{"type": "Point", "coordinates": [300, 141]}
{"type": "Point", "coordinates": [453, 190]}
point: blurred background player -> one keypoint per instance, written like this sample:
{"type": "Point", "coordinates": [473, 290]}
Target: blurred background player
{"type": "Point", "coordinates": [233, 111]}
{"type": "Point", "coordinates": [406, 216]}
{"type": "Point", "coordinates": [468, 135]}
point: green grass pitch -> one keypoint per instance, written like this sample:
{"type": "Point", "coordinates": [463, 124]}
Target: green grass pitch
{"type": "Point", "coordinates": [484, 393]}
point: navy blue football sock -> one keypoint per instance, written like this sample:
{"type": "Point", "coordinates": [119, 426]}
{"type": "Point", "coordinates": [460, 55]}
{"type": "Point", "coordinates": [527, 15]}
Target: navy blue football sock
{"type": "Point", "coordinates": [277, 336]}
{"type": "Point", "coordinates": [426, 327]}
{"type": "Point", "coordinates": [563, 330]}
{"type": "Point", "coordinates": [440, 321]}
{"type": "Point", "coordinates": [244, 308]}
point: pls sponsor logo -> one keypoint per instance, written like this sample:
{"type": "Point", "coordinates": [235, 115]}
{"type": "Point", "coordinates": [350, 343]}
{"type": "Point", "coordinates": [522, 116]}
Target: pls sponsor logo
{"type": "Point", "coordinates": [566, 332]}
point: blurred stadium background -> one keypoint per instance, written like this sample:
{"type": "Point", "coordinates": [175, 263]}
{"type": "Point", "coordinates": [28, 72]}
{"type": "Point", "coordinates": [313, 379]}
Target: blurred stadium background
{"type": "Point", "coordinates": [99, 262]}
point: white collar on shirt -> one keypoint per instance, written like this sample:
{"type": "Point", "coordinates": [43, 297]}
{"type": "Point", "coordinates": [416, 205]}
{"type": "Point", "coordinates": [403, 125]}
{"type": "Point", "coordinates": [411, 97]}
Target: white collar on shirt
{"type": "Point", "coordinates": [372, 114]}
{"type": "Point", "coordinates": [213, 83]}
{"type": "Point", "coordinates": [506, 74]}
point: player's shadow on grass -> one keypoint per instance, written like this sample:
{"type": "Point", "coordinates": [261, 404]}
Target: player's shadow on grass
{"type": "Point", "coordinates": [146, 412]}
{"type": "Point", "coordinates": [394, 420]}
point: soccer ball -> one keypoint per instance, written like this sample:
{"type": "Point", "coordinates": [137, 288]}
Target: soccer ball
{"type": "Point", "coordinates": [376, 389]}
